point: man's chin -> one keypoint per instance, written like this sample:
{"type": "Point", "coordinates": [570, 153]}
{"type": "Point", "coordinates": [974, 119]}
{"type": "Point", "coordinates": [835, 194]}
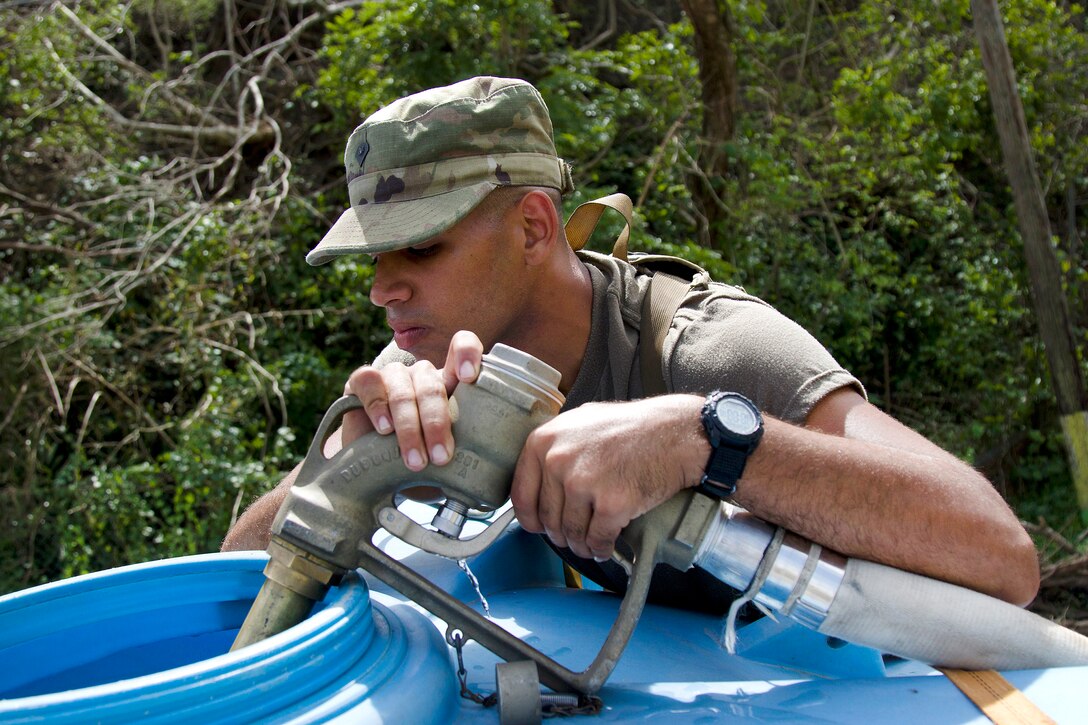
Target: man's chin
{"type": "Point", "coordinates": [423, 344]}
{"type": "Point", "coordinates": [428, 353]}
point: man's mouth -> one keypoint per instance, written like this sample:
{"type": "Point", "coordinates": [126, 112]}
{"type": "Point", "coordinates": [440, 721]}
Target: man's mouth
{"type": "Point", "coordinates": [406, 335]}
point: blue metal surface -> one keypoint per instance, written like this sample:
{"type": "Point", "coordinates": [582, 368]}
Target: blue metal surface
{"type": "Point", "coordinates": [674, 671]}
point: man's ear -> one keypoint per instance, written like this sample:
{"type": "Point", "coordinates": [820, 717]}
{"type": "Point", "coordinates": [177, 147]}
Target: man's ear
{"type": "Point", "coordinates": [540, 221]}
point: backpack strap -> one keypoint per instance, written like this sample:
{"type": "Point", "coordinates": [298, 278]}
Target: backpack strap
{"type": "Point", "coordinates": [584, 220]}
{"type": "Point", "coordinates": [659, 306]}
{"type": "Point", "coordinates": [669, 284]}
{"type": "Point", "coordinates": [998, 698]}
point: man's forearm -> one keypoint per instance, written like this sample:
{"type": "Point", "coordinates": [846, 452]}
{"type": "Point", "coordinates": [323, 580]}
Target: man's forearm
{"type": "Point", "coordinates": [253, 529]}
{"type": "Point", "coordinates": [929, 514]}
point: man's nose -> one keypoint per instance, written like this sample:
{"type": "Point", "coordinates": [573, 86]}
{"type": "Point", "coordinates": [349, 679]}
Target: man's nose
{"type": "Point", "coordinates": [389, 286]}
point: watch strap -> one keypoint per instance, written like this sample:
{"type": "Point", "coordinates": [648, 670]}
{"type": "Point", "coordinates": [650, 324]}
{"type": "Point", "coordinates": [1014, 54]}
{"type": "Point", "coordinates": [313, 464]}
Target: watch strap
{"type": "Point", "coordinates": [724, 469]}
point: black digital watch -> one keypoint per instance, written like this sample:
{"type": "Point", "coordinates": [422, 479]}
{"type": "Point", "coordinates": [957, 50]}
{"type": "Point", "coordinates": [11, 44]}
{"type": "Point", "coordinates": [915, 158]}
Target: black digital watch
{"type": "Point", "coordinates": [733, 426]}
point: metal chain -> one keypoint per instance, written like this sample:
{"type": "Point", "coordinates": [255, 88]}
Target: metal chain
{"type": "Point", "coordinates": [552, 705]}
{"type": "Point", "coordinates": [457, 641]}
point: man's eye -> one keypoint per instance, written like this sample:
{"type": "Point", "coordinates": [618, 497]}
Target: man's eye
{"type": "Point", "coordinates": [422, 251]}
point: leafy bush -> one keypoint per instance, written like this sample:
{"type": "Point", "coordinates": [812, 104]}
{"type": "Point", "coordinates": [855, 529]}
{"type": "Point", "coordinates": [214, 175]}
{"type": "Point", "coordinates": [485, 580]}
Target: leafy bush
{"type": "Point", "coordinates": [167, 353]}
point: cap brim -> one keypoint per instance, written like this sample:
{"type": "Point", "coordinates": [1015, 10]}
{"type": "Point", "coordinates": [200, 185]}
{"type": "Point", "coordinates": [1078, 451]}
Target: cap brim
{"type": "Point", "coordinates": [383, 227]}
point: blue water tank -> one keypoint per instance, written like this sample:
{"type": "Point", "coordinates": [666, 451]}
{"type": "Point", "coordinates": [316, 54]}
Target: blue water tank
{"type": "Point", "coordinates": [151, 642]}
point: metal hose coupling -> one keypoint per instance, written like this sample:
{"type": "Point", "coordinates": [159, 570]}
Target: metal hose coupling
{"type": "Point", "coordinates": [775, 568]}
{"type": "Point", "coordinates": [529, 393]}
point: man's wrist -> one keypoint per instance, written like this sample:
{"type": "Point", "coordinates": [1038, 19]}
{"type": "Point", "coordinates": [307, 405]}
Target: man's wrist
{"type": "Point", "coordinates": [696, 448]}
{"type": "Point", "coordinates": [675, 434]}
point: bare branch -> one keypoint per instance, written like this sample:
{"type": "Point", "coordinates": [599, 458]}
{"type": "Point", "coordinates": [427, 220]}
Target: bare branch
{"type": "Point", "coordinates": [48, 208]}
{"type": "Point", "coordinates": [154, 426]}
{"type": "Point", "coordinates": [52, 382]}
{"type": "Point", "coordinates": [607, 27]}
{"type": "Point", "coordinates": [1043, 530]}
{"type": "Point", "coordinates": [14, 405]}
{"type": "Point", "coordinates": [116, 56]}
{"type": "Point", "coordinates": [219, 134]}
{"type": "Point", "coordinates": [87, 418]}
{"type": "Point", "coordinates": [659, 153]}
{"type": "Point", "coordinates": [249, 360]}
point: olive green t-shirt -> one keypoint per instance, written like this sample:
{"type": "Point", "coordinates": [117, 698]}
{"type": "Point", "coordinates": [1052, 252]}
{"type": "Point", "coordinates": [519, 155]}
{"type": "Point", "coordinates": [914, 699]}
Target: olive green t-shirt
{"type": "Point", "coordinates": [721, 338]}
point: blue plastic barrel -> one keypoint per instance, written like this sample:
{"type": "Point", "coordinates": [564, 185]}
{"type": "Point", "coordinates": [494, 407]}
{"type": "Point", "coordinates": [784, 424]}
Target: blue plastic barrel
{"type": "Point", "coordinates": [151, 642]}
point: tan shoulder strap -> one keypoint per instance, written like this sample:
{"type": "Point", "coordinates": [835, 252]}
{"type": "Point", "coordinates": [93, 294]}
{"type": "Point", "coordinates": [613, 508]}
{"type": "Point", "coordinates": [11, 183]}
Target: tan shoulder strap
{"type": "Point", "coordinates": [658, 308]}
{"type": "Point", "coordinates": [663, 298]}
{"type": "Point", "coordinates": [998, 699]}
{"type": "Point", "coordinates": [584, 220]}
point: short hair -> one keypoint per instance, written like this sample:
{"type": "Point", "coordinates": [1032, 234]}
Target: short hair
{"type": "Point", "coordinates": [504, 197]}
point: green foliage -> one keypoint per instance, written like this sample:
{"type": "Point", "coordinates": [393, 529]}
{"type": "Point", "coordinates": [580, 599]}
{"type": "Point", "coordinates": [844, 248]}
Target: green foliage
{"type": "Point", "coordinates": [880, 219]}
{"type": "Point", "coordinates": [179, 15]}
{"type": "Point", "coordinates": [162, 363]}
{"type": "Point", "coordinates": [378, 52]}
{"type": "Point", "coordinates": [182, 502]}
{"type": "Point", "coordinates": [626, 118]}
{"type": "Point", "coordinates": [166, 352]}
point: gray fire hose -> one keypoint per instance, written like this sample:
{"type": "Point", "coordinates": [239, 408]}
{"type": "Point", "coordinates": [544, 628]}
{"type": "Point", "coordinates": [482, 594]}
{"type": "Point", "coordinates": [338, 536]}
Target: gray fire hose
{"type": "Point", "coordinates": [878, 606]}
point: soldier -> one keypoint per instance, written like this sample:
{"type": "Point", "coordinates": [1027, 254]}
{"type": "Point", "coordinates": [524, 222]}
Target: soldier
{"type": "Point", "coordinates": [456, 195]}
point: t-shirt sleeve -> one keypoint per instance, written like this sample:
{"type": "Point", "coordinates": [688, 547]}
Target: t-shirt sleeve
{"type": "Point", "coordinates": [728, 340]}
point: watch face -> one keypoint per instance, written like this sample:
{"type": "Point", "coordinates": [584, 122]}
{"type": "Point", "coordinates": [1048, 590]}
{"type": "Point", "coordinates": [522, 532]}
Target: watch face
{"type": "Point", "coordinates": [738, 416]}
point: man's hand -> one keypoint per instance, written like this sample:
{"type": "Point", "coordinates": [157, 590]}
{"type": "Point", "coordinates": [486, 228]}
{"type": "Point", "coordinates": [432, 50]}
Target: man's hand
{"type": "Point", "coordinates": [584, 475]}
{"type": "Point", "coordinates": [413, 402]}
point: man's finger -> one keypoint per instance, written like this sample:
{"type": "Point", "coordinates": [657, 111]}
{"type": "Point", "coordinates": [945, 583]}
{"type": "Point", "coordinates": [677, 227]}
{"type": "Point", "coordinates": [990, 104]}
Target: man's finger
{"type": "Point", "coordinates": [434, 414]}
{"type": "Point", "coordinates": [403, 408]}
{"type": "Point", "coordinates": [525, 490]}
{"type": "Point", "coordinates": [602, 533]}
{"type": "Point", "coordinates": [366, 384]}
{"type": "Point", "coordinates": [549, 507]}
{"type": "Point", "coordinates": [575, 522]}
{"type": "Point", "coordinates": [462, 360]}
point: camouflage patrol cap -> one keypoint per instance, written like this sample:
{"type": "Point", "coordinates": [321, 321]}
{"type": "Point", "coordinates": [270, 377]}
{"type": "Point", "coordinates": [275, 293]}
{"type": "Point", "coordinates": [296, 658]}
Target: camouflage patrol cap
{"type": "Point", "coordinates": [422, 163]}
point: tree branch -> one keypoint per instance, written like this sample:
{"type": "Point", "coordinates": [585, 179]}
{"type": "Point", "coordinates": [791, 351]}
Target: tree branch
{"type": "Point", "coordinates": [42, 206]}
{"type": "Point", "coordinates": [219, 134]}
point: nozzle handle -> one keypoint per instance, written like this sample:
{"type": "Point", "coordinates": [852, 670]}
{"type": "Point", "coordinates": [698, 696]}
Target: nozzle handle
{"type": "Point", "coordinates": [315, 461]}
{"type": "Point", "coordinates": [433, 542]}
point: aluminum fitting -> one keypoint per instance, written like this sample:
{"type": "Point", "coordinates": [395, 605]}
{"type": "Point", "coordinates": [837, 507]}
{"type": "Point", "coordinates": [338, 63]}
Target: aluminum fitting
{"type": "Point", "coordinates": [796, 577]}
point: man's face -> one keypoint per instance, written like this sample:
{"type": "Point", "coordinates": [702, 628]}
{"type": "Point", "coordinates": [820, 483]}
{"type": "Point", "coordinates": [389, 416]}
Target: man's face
{"type": "Point", "coordinates": [466, 278]}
